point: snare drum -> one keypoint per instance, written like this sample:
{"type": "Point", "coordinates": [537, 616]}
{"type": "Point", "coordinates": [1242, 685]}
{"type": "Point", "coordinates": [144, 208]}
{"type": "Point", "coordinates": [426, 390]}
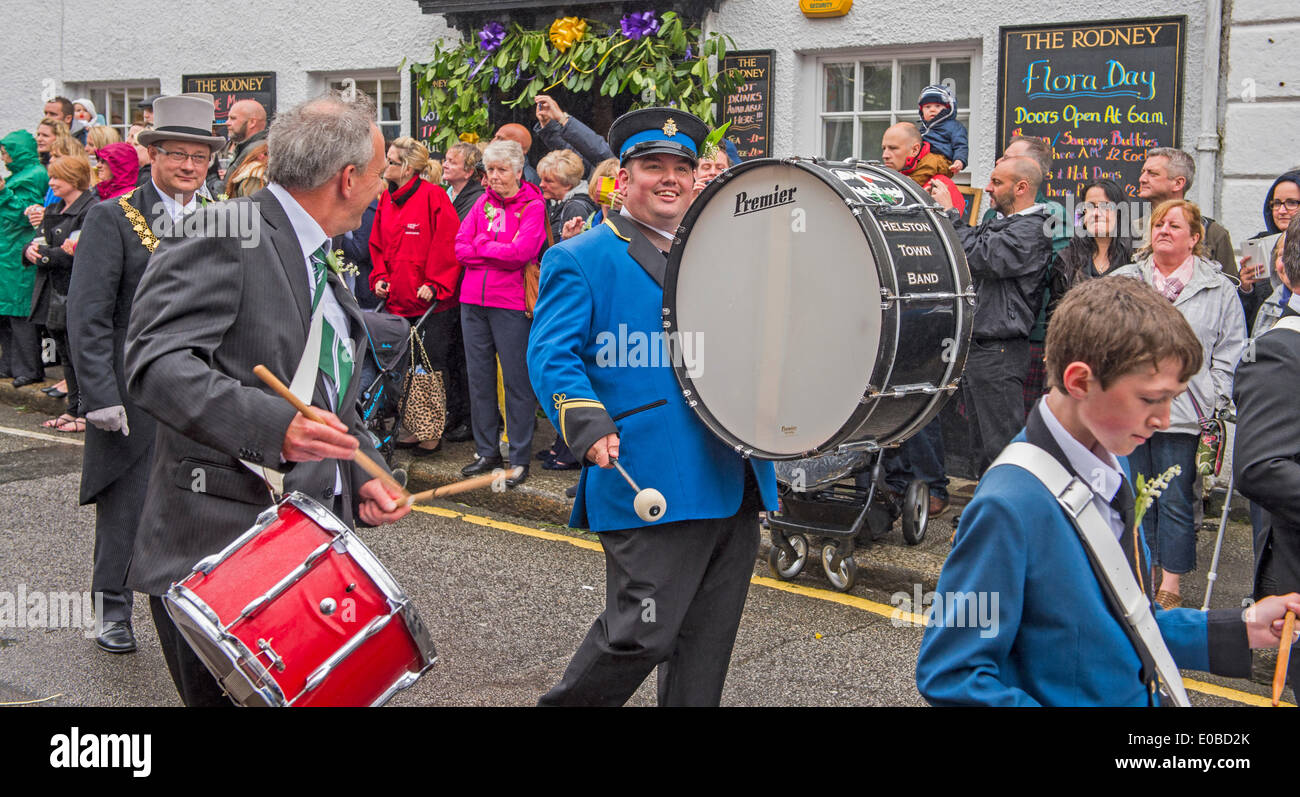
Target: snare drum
{"type": "Point", "coordinates": [299, 612]}
{"type": "Point", "coordinates": [826, 304]}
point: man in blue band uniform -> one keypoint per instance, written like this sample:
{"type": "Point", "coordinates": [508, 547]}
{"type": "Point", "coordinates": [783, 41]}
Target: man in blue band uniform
{"type": "Point", "coordinates": [675, 586]}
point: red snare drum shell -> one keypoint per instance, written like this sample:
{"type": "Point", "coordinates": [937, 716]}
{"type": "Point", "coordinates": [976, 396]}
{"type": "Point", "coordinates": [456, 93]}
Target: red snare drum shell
{"type": "Point", "coordinates": [332, 628]}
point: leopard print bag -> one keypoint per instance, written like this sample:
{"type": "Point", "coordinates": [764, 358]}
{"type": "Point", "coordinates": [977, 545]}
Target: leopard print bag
{"type": "Point", "coordinates": [424, 401]}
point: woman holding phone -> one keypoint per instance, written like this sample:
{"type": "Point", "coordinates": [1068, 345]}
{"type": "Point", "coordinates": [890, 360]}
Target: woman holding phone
{"type": "Point", "coordinates": [1281, 204]}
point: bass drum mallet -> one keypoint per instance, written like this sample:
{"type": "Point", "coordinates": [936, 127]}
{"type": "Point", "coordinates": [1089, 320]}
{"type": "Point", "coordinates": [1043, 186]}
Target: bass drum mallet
{"type": "Point", "coordinates": [649, 503]}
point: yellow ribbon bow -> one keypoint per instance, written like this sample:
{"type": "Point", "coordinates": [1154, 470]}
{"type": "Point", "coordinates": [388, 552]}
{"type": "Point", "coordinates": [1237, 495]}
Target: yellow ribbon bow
{"type": "Point", "coordinates": [566, 31]}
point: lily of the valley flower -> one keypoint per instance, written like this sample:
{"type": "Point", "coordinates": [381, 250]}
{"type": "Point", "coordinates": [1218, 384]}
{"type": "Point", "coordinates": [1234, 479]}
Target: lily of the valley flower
{"type": "Point", "coordinates": [1149, 491]}
{"type": "Point", "coordinates": [334, 259]}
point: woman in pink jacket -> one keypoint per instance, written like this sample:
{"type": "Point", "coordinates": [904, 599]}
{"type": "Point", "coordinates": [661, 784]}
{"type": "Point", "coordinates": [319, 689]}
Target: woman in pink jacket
{"type": "Point", "coordinates": [502, 234]}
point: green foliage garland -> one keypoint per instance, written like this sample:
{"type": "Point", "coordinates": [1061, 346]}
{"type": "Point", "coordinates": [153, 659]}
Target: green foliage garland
{"type": "Point", "coordinates": [669, 66]}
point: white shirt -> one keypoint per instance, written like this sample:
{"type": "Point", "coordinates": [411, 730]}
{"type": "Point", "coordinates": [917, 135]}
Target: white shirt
{"type": "Point", "coordinates": [310, 238]}
{"type": "Point", "coordinates": [173, 208]}
{"type": "Point", "coordinates": [1103, 477]}
{"type": "Point", "coordinates": [623, 212]}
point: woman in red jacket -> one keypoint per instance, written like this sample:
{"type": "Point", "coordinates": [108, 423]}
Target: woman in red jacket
{"type": "Point", "coordinates": [413, 255]}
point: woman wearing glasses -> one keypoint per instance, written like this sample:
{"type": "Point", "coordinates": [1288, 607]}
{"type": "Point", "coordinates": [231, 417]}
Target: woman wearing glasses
{"type": "Point", "coordinates": [1281, 204]}
{"type": "Point", "coordinates": [413, 256]}
{"type": "Point", "coordinates": [1099, 242]}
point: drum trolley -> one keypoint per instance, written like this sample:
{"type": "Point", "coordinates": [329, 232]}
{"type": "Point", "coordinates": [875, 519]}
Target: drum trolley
{"type": "Point", "coordinates": [819, 507]}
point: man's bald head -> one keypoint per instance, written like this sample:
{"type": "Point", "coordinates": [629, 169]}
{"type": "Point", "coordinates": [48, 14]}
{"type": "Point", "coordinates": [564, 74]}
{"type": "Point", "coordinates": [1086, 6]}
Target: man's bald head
{"type": "Point", "coordinates": [516, 133]}
{"type": "Point", "coordinates": [900, 142]}
{"type": "Point", "coordinates": [1014, 184]}
{"type": "Point", "coordinates": [245, 119]}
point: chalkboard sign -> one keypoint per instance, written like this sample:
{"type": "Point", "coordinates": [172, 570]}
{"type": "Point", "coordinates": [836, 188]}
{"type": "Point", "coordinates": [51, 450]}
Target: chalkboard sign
{"type": "Point", "coordinates": [230, 89]}
{"type": "Point", "coordinates": [422, 125]}
{"type": "Point", "coordinates": [1101, 93]}
{"type": "Point", "coordinates": [749, 107]}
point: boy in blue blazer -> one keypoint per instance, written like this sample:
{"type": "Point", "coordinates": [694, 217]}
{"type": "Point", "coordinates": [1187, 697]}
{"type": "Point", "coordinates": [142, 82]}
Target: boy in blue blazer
{"type": "Point", "coordinates": [599, 363]}
{"type": "Point", "coordinates": [1117, 355]}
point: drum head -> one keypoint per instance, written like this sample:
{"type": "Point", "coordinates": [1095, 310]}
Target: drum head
{"type": "Point", "coordinates": [775, 291]}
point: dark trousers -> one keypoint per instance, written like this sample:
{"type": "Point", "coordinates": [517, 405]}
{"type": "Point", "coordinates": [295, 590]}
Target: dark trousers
{"type": "Point", "coordinates": [1279, 573]}
{"type": "Point", "coordinates": [457, 378]}
{"type": "Point", "coordinates": [673, 599]}
{"type": "Point", "coordinates": [919, 457]}
{"type": "Point", "coordinates": [492, 332]}
{"type": "Point", "coordinates": [69, 374]}
{"type": "Point", "coordinates": [193, 680]}
{"type": "Point", "coordinates": [20, 348]}
{"type": "Point", "coordinates": [993, 386]}
{"type": "Point", "coordinates": [117, 516]}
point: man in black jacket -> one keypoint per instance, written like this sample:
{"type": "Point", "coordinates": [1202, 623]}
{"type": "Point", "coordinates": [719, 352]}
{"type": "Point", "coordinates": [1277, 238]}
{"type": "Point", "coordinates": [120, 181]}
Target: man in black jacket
{"type": "Point", "coordinates": [462, 168]}
{"type": "Point", "coordinates": [116, 242]}
{"type": "Point", "coordinates": [1266, 454]}
{"type": "Point", "coordinates": [1008, 259]}
{"type": "Point", "coordinates": [559, 130]}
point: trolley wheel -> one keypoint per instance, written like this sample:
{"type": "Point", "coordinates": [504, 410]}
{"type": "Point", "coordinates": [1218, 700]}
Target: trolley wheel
{"type": "Point", "coordinates": [841, 578]}
{"type": "Point", "coordinates": [781, 565]}
{"type": "Point", "coordinates": [916, 512]}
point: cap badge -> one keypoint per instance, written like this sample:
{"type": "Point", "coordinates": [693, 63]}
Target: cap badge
{"type": "Point", "coordinates": [670, 128]}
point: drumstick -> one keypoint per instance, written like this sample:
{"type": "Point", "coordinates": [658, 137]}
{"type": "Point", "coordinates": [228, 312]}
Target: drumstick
{"type": "Point", "coordinates": [367, 464]}
{"type": "Point", "coordinates": [465, 485]}
{"type": "Point", "coordinates": [1283, 657]}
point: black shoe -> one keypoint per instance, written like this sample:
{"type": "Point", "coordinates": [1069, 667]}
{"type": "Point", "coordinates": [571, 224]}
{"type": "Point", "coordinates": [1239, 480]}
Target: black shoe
{"type": "Point", "coordinates": [460, 434]}
{"type": "Point", "coordinates": [556, 464]}
{"type": "Point", "coordinates": [418, 450]}
{"type": "Point", "coordinates": [481, 465]}
{"type": "Point", "coordinates": [117, 638]}
{"type": "Point", "coordinates": [24, 381]}
{"type": "Point", "coordinates": [571, 491]}
{"type": "Point", "coordinates": [400, 444]}
{"type": "Point", "coordinates": [517, 480]}
{"type": "Point", "coordinates": [542, 456]}
{"type": "Point", "coordinates": [58, 394]}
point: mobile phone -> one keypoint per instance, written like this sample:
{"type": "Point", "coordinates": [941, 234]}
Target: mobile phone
{"type": "Point", "coordinates": [1260, 252]}
{"type": "Point", "coordinates": [608, 185]}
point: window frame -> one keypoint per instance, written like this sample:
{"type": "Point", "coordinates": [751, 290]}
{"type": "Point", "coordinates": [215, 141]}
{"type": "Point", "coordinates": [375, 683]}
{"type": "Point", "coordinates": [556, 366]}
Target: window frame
{"type": "Point", "coordinates": [390, 129]}
{"type": "Point", "coordinates": [98, 92]}
{"type": "Point", "coordinates": [896, 56]}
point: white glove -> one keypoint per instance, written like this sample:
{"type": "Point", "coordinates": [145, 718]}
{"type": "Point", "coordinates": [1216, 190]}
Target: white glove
{"type": "Point", "coordinates": [110, 419]}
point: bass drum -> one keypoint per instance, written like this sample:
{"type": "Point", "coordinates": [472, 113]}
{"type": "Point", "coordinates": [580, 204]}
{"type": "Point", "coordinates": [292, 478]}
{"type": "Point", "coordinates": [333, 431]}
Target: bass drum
{"type": "Point", "coordinates": [812, 305]}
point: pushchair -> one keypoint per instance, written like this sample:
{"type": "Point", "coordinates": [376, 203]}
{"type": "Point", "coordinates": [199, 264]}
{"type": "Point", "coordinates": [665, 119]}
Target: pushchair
{"type": "Point", "coordinates": [817, 504]}
{"type": "Point", "coordinates": [382, 374]}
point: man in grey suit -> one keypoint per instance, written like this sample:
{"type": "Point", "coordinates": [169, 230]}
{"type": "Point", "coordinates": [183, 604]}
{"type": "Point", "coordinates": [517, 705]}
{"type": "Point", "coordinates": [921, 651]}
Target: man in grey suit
{"type": "Point", "coordinates": [212, 306]}
{"type": "Point", "coordinates": [116, 241]}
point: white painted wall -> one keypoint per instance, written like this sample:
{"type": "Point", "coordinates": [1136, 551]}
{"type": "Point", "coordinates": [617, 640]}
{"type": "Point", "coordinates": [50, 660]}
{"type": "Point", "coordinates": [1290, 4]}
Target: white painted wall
{"type": "Point", "coordinates": [75, 42]}
{"type": "Point", "coordinates": [1262, 119]}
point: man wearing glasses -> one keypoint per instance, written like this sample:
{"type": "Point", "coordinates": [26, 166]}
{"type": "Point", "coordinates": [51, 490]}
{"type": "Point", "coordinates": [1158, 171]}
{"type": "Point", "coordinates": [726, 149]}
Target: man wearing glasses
{"type": "Point", "coordinates": [116, 241]}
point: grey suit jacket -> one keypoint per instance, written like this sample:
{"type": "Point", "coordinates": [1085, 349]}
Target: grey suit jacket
{"type": "Point", "coordinates": [109, 262]}
{"type": "Point", "coordinates": [206, 312]}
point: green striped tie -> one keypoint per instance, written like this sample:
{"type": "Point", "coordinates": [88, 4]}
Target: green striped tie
{"type": "Point", "coordinates": [335, 359]}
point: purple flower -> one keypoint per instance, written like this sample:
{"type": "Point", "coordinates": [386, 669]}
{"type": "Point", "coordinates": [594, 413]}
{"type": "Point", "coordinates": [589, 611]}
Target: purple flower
{"type": "Point", "coordinates": [689, 54]}
{"type": "Point", "coordinates": [638, 24]}
{"type": "Point", "coordinates": [491, 36]}
{"type": "Point", "coordinates": [496, 74]}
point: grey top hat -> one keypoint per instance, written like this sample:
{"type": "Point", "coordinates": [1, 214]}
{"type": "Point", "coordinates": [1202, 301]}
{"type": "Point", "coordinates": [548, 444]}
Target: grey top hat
{"type": "Point", "coordinates": [183, 117]}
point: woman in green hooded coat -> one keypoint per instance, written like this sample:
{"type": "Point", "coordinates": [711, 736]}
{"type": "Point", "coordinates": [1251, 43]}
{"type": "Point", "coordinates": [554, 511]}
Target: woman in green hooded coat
{"type": "Point", "coordinates": [25, 186]}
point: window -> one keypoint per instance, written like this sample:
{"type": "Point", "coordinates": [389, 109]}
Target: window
{"type": "Point", "coordinates": [116, 103]}
{"type": "Point", "coordinates": [385, 92]}
{"type": "Point", "coordinates": [862, 95]}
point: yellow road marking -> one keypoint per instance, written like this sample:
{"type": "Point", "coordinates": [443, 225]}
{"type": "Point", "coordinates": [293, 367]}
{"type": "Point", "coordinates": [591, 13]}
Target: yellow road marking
{"type": "Point", "coordinates": [843, 599]}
